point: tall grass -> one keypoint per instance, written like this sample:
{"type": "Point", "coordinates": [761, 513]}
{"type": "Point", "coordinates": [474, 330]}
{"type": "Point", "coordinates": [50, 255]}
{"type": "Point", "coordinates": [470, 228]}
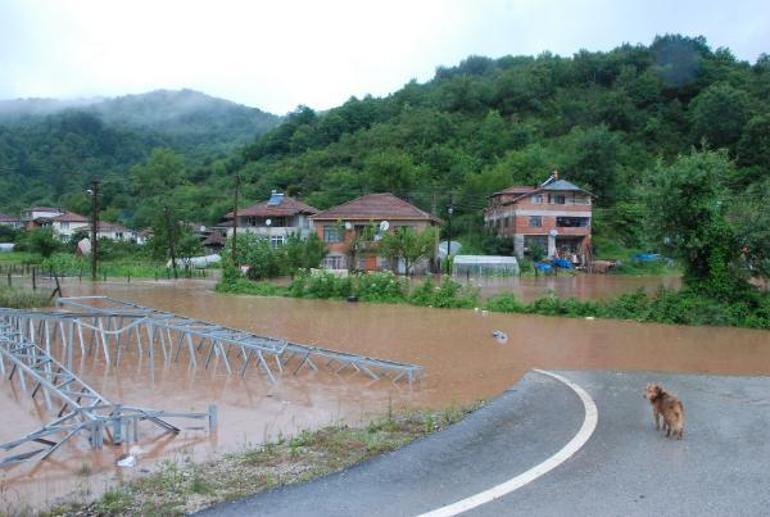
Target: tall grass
{"type": "Point", "coordinates": [21, 299]}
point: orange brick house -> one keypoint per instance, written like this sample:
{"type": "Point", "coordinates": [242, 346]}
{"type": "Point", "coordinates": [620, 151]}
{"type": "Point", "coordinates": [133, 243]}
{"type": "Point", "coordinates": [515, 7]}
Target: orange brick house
{"type": "Point", "coordinates": [339, 227]}
{"type": "Point", "coordinates": [555, 215]}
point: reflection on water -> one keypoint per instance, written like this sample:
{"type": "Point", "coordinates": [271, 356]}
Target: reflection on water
{"type": "Point", "coordinates": [462, 359]}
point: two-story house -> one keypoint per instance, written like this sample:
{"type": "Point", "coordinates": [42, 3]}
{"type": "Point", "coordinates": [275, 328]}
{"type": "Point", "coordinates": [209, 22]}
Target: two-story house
{"type": "Point", "coordinates": [555, 215]}
{"type": "Point", "coordinates": [366, 217]}
{"type": "Point", "coordinates": [11, 221]}
{"type": "Point", "coordinates": [64, 224]}
{"type": "Point", "coordinates": [275, 219]}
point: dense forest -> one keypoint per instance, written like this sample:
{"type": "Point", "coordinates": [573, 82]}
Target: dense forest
{"type": "Point", "coordinates": [50, 149]}
{"type": "Point", "coordinates": [604, 119]}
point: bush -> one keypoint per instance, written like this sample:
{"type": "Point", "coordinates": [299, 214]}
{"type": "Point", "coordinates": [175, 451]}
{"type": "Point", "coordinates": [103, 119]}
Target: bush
{"type": "Point", "coordinates": [380, 287]}
{"type": "Point", "coordinates": [320, 285]}
{"type": "Point", "coordinates": [448, 295]}
{"type": "Point", "coordinates": [17, 299]}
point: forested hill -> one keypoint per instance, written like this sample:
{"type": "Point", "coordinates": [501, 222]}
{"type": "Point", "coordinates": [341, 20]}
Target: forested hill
{"type": "Point", "coordinates": [601, 118]}
{"type": "Point", "coordinates": [50, 148]}
{"type": "Point", "coordinates": [604, 119]}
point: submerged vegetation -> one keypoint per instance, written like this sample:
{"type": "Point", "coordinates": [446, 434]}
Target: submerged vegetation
{"type": "Point", "coordinates": [684, 307]}
{"type": "Point", "coordinates": [22, 299]}
{"type": "Point", "coordinates": [178, 488]}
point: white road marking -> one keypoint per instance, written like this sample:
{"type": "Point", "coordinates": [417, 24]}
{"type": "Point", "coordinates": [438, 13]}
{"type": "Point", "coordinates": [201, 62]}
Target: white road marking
{"type": "Point", "coordinates": [586, 430]}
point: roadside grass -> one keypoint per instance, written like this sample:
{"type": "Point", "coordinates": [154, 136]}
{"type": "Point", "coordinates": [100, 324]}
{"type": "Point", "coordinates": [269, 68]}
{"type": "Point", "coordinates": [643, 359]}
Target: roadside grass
{"type": "Point", "coordinates": [178, 488]}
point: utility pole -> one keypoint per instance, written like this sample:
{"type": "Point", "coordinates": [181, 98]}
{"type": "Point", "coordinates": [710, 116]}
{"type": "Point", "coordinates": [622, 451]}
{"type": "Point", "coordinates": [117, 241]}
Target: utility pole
{"type": "Point", "coordinates": [450, 210]}
{"type": "Point", "coordinates": [94, 191]}
{"type": "Point", "coordinates": [171, 234]}
{"type": "Point", "coordinates": [235, 217]}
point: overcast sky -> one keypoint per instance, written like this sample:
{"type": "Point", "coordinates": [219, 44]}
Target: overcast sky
{"type": "Point", "coordinates": [276, 55]}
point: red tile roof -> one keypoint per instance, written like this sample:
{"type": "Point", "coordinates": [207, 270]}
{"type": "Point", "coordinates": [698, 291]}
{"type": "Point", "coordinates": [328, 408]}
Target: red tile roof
{"type": "Point", "coordinates": [70, 217]}
{"type": "Point", "coordinates": [375, 207]}
{"type": "Point", "coordinates": [289, 206]}
{"type": "Point", "coordinates": [515, 189]}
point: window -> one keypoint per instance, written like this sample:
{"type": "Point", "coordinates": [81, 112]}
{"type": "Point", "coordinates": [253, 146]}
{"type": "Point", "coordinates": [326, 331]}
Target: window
{"type": "Point", "coordinates": [535, 221]}
{"type": "Point", "coordinates": [558, 199]}
{"type": "Point", "coordinates": [331, 234]}
{"type": "Point", "coordinates": [64, 225]}
{"type": "Point", "coordinates": [276, 241]}
{"type": "Point", "coordinates": [333, 262]}
{"type": "Point", "coordinates": [573, 222]}
{"type": "Point", "coordinates": [537, 199]}
{"type": "Point", "coordinates": [505, 222]}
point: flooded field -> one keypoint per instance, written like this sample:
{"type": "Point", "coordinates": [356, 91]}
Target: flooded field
{"type": "Point", "coordinates": [462, 361]}
{"type": "Point", "coordinates": [582, 285]}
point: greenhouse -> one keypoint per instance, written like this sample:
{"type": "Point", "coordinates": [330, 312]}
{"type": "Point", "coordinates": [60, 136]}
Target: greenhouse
{"type": "Point", "coordinates": [485, 265]}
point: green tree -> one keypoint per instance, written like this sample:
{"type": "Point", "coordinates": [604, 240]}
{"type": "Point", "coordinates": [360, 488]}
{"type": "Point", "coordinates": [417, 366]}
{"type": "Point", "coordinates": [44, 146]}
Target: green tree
{"type": "Point", "coordinates": [256, 252]}
{"type": "Point", "coordinates": [304, 253]}
{"type": "Point", "coordinates": [719, 114]}
{"type": "Point", "coordinates": [40, 241]}
{"type": "Point", "coordinates": [408, 245]}
{"type": "Point", "coordinates": [687, 209]}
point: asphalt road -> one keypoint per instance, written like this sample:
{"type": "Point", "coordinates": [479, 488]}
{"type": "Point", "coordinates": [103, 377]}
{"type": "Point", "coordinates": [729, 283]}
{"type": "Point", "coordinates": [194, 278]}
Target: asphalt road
{"type": "Point", "coordinates": [722, 467]}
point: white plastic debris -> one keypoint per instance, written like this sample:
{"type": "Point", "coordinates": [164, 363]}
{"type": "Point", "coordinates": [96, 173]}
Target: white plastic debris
{"type": "Point", "coordinates": [590, 318]}
{"type": "Point", "coordinates": [500, 336]}
{"type": "Point", "coordinates": [127, 461]}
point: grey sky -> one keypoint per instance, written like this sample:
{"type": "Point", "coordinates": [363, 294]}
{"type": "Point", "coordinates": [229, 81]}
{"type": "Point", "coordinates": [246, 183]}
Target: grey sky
{"type": "Point", "coordinates": [276, 55]}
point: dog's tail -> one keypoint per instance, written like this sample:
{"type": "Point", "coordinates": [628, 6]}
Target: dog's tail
{"type": "Point", "coordinates": [679, 414]}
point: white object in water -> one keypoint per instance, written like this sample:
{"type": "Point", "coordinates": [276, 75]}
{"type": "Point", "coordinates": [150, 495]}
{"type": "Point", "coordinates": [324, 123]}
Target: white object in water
{"type": "Point", "coordinates": [476, 309]}
{"type": "Point", "coordinates": [484, 313]}
{"type": "Point", "coordinates": [500, 336]}
{"type": "Point", "coordinates": [590, 318]}
{"type": "Point", "coordinates": [127, 462]}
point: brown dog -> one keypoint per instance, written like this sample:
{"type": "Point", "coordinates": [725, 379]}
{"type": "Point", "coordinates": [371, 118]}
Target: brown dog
{"type": "Point", "coordinates": [667, 405]}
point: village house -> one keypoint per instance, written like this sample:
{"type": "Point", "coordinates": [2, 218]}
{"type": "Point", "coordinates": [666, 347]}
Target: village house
{"type": "Point", "coordinates": [66, 224]}
{"type": "Point", "coordinates": [555, 216]}
{"type": "Point", "coordinates": [343, 226]}
{"type": "Point", "coordinates": [11, 221]}
{"type": "Point", "coordinates": [275, 219]}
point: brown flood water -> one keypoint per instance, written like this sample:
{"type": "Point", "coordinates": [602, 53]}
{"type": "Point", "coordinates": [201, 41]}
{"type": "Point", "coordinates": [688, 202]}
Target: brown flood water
{"type": "Point", "coordinates": [463, 363]}
{"type": "Point", "coordinates": [582, 285]}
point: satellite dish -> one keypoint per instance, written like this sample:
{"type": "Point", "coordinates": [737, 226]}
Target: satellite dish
{"type": "Point", "coordinates": [384, 225]}
{"type": "Point", "coordinates": [268, 222]}
{"type": "Point", "coordinates": [348, 225]}
{"type": "Point", "coordinates": [553, 233]}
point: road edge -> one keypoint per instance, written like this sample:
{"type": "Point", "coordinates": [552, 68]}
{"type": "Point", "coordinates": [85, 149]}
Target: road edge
{"type": "Point", "coordinates": [585, 432]}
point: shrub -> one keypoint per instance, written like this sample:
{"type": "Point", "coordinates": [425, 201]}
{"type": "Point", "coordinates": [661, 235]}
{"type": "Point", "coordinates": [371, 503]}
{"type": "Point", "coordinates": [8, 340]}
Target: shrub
{"type": "Point", "coordinates": [380, 287]}
{"type": "Point", "coordinates": [448, 295]}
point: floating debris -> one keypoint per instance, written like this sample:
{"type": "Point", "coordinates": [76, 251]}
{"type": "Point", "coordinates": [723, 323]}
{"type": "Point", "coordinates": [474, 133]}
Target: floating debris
{"type": "Point", "coordinates": [500, 336]}
{"type": "Point", "coordinates": [127, 461]}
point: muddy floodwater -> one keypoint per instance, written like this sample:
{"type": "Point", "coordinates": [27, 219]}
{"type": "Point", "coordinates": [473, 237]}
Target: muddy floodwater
{"type": "Point", "coordinates": [463, 363]}
{"type": "Point", "coordinates": [565, 285]}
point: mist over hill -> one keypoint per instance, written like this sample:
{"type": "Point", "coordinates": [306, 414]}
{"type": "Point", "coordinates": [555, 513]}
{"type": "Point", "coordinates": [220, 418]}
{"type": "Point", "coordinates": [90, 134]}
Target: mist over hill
{"type": "Point", "coordinates": [49, 148]}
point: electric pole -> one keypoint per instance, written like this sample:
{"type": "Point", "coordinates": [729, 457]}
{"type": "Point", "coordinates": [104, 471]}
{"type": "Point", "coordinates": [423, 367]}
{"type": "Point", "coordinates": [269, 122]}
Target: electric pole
{"type": "Point", "coordinates": [94, 191]}
{"type": "Point", "coordinates": [235, 218]}
{"type": "Point", "coordinates": [171, 234]}
{"type": "Point", "coordinates": [450, 210]}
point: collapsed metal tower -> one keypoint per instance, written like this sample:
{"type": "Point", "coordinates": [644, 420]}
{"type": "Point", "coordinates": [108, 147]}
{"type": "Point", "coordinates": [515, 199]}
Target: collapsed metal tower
{"type": "Point", "coordinates": [39, 351]}
{"type": "Point", "coordinates": [79, 408]}
{"type": "Point", "coordinates": [109, 320]}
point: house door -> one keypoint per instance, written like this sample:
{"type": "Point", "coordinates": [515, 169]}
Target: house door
{"type": "Point", "coordinates": [370, 263]}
